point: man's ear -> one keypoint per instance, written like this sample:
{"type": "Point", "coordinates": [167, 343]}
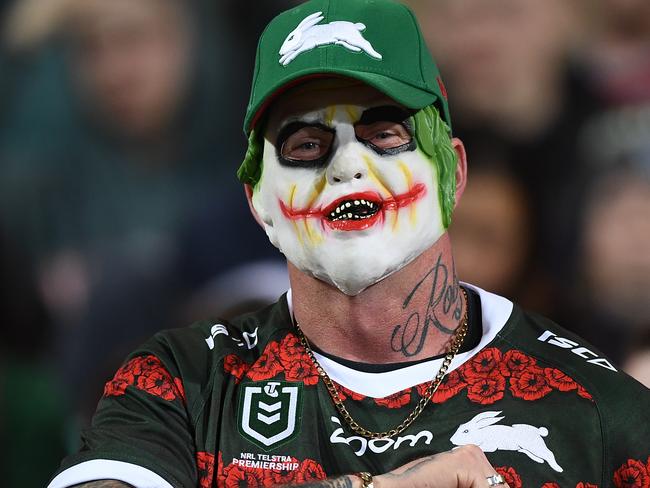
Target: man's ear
{"type": "Point", "coordinates": [248, 189]}
{"type": "Point", "coordinates": [461, 168]}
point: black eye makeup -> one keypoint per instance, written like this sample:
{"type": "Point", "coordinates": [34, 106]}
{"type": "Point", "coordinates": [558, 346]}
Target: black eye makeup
{"type": "Point", "coordinates": [387, 130]}
{"type": "Point", "coordinates": [304, 144]}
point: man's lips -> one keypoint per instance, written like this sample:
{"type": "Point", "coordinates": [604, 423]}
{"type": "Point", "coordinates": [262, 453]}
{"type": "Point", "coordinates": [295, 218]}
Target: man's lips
{"type": "Point", "coordinates": [356, 211]}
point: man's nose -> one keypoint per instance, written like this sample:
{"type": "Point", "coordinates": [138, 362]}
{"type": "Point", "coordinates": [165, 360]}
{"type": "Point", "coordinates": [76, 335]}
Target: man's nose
{"type": "Point", "coordinates": [345, 166]}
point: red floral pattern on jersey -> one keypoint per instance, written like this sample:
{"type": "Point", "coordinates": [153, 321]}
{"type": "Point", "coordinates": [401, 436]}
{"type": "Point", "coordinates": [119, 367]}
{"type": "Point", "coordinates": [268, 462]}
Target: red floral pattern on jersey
{"type": "Point", "coordinates": [451, 385]}
{"type": "Point", "coordinates": [531, 384]}
{"type": "Point", "coordinates": [550, 485]}
{"type": "Point", "coordinates": [510, 475]}
{"type": "Point", "coordinates": [290, 349]}
{"type": "Point", "coordinates": [117, 386]}
{"type": "Point", "coordinates": [146, 373]}
{"type": "Point", "coordinates": [235, 475]}
{"type": "Point", "coordinates": [221, 477]}
{"type": "Point", "coordinates": [234, 365]}
{"type": "Point", "coordinates": [396, 400]}
{"type": "Point", "coordinates": [486, 363]}
{"type": "Point", "coordinates": [205, 468]}
{"type": "Point", "coordinates": [281, 476]}
{"type": "Point", "coordinates": [158, 383]}
{"type": "Point", "coordinates": [584, 393]}
{"type": "Point", "coordinates": [267, 365]}
{"type": "Point", "coordinates": [181, 389]}
{"type": "Point", "coordinates": [302, 369]}
{"type": "Point", "coordinates": [632, 473]}
{"type": "Point", "coordinates": [487, 390]}
{"type": "Point", "coordinates": [559, 380]}
{"type": "Point", "coordinates": [345, 393]}
{"type": "Point", "coordinates": [310, 470]}
{"type": "Point", "coordinates": [514, 362]}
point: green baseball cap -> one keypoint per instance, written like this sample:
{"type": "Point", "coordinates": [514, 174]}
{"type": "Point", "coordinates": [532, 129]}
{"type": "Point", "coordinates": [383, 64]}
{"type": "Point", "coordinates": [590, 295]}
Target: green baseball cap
{"type": "Point", "coordinates": [377, 42]}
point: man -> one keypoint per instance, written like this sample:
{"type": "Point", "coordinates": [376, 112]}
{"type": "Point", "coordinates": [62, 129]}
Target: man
{"type": "Point", "coordinates": [377, 363]}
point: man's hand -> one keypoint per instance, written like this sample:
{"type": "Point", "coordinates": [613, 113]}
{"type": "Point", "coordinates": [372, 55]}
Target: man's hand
{"type": "Point", "coordinates": [464, 467]}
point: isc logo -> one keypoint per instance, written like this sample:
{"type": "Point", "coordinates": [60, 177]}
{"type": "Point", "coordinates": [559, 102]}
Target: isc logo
{"type": "Point", "coordinates": [591, 357]}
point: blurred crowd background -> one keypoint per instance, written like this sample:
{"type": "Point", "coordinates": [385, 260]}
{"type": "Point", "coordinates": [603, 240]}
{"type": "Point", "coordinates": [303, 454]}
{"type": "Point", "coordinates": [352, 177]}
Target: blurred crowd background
{"type": "Point", "coordinates": [120, 213]}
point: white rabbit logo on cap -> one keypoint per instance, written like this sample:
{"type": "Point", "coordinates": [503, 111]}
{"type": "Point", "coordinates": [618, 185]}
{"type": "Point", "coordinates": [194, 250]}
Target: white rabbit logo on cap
{"type": "Point", "coordinates": [307, 35]}
{"type": "Point", "coordinates": [524, 438]}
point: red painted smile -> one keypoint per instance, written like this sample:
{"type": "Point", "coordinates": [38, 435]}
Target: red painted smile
{"type": "Point", "coordinates": [357, 211]}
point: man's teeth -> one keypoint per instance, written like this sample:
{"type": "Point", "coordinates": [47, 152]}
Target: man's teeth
{"type": "Point", "coordinates": [340, 212]}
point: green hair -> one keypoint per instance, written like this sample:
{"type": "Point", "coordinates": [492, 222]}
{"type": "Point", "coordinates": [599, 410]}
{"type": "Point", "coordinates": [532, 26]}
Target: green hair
{"type": "Point", "coordinates": [250, 170]}
{"type": "Point", "coordinates": [434, 140]}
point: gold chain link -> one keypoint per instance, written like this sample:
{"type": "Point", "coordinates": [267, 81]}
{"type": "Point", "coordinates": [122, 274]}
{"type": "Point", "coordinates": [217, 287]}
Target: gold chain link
{"type": "Point", "coordinates": [459, 336]}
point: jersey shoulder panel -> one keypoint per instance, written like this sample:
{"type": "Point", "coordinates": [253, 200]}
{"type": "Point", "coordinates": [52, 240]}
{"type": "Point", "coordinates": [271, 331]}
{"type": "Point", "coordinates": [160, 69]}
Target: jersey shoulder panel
{"type": "Point", "coordinates": [557, 346]}
{"type": "Point", "coordinates": [622, 403]}
{"type": "Point", "coordinates": [196, 353]}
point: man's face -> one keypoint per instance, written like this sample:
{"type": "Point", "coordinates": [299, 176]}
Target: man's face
{"type": "Point", "coordinates": [131, 60]}
{"type": "Point", "coordinates": [345, 193]}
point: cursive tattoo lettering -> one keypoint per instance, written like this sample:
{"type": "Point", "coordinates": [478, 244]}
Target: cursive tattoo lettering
{"type": "Point", "coordinates": [443, 311]}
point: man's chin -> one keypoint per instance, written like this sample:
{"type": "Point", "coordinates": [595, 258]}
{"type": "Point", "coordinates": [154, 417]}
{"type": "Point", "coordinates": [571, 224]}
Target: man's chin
{"type": "Point", "coordinates": [353, 280]}
{"type": "Point", "coordinates": [352, 285]}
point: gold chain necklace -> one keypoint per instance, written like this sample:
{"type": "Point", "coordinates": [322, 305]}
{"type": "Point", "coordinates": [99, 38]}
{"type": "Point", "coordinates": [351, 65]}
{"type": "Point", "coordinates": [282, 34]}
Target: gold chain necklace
{"type": "Point", "coordinates": [457, 341]}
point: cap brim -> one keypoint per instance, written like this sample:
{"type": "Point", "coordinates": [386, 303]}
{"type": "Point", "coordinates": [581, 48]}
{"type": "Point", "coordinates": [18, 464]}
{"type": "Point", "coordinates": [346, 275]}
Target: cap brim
{"type": "Point", "coordinates": [404, 93]}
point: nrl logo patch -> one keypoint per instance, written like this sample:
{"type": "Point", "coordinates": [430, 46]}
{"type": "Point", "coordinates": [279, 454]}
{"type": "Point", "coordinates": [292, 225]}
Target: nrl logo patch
{"type": "Point", "coordinates": [270, 412]}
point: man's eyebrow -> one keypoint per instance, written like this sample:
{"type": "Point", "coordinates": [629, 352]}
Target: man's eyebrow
{"type": "Point", "coordinates": [292, 127]}
{"type": "Point", "coordinates": [385, 113]}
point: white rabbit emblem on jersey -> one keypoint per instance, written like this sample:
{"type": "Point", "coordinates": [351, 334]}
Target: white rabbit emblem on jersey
{"type": "Point", "coordinates": [307, 35]}
{"type": "Point", "coordinates": [524, 438]}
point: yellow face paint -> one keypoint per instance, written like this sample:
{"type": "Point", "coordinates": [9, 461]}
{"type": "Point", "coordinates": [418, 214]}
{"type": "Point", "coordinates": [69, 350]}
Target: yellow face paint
{"type": "Point", "coordinates": [315, 237]}
{"type": "Point", "coordinates": [409, 182]}
{"type": "Point", "coordinates": [330, 113]}
{"type": "Point", "coordinates": [298, 234]}
{"type": "Point", "coordinates": [318, 189]}
{"type": "Point", "coordinates": [407, 173]}
{"type": "Point", "coordinates": [292, 194]}
{"type": "Point", "coordinates": [374, 176]}
{"type": "Point", "coordinates": [353, 114]}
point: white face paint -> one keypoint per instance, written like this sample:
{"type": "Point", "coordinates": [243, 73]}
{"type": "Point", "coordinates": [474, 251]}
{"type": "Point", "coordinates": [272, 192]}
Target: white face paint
{"type": "Point", "coordinates": [355, 216]}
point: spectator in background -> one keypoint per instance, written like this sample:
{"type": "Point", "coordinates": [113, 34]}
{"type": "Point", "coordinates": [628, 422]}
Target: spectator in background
{"type": "Point", "coordinates": [100, 208]}
{"type": "Point", "coordinates": [494, 230]}
{"type": "Point", "coordinates": [575, 120]}
{"type": "Point", "coordinates": [507, 66]}
{"type": "Point", "coordinates": [618, 54]}
{"type": "Point", "coordinates": [616, 261]}
{"type": "Point", "coordinates": [637, 362]}
{"type": "Point", "coordinates": [613, 311]}
{"type": "Point", "coordinates": [516, 48]}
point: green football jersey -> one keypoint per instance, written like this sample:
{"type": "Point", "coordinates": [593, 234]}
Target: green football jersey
{"type": "Point", "coordinates": [240, 403]}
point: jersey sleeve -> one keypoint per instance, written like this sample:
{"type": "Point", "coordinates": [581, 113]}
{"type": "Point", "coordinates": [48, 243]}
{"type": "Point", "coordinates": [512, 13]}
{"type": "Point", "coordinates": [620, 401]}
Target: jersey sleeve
{"type": "Point", "coordinates": [621, 431]}
{"type": "Point", "coordinates": [142, 432]}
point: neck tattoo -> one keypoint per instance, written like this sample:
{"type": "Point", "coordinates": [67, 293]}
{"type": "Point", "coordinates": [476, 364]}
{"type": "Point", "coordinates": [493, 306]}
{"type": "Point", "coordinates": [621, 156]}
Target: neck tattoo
{"type": "Point", "coordinates": [455, 343]}
{"type": "Point", "coordinates": [443, 310]}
